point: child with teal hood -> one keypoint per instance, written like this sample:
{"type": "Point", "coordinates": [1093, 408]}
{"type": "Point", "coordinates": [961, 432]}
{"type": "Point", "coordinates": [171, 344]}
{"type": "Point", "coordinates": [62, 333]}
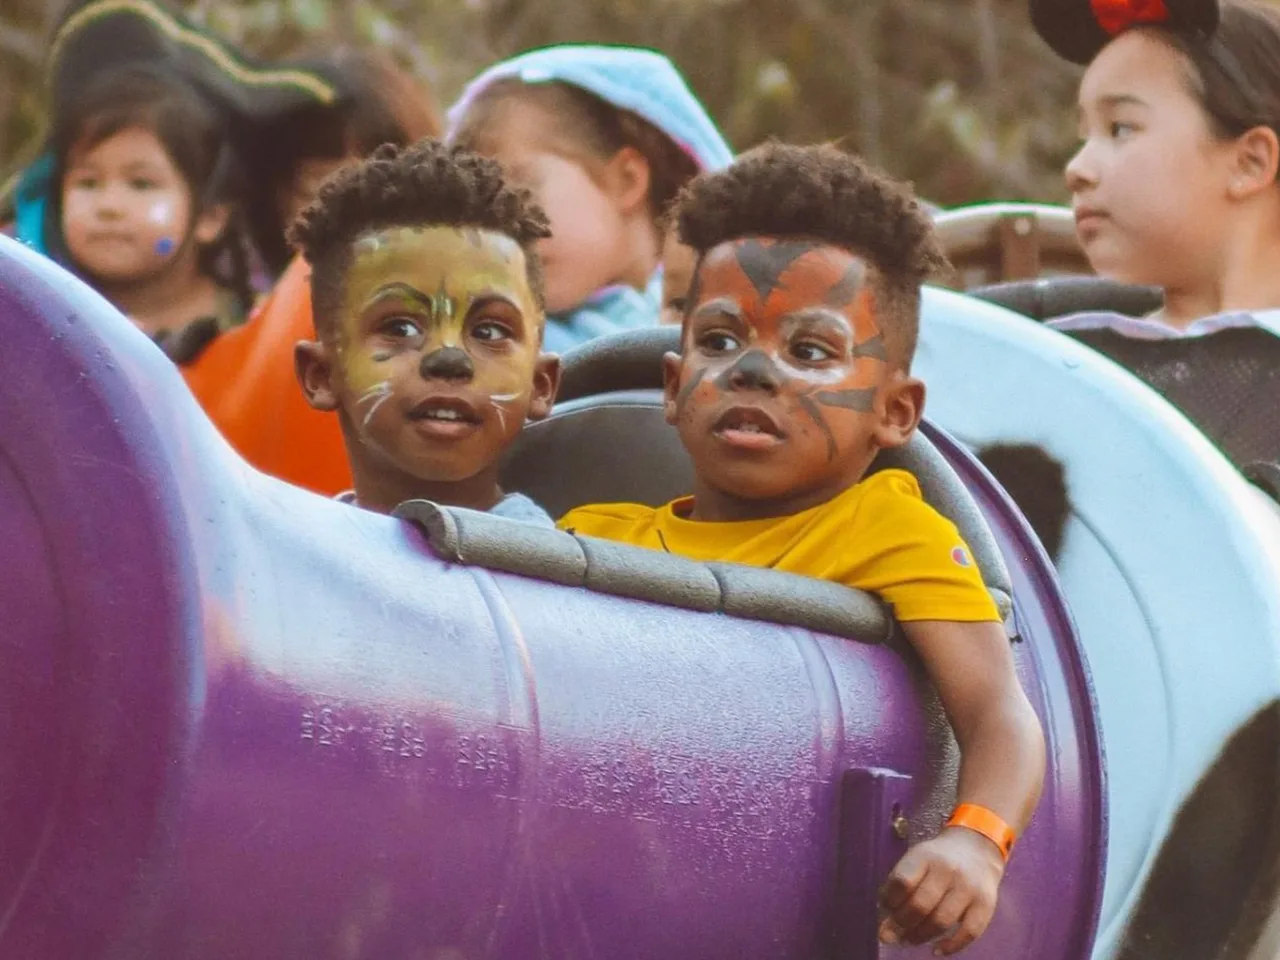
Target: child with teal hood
{"type": "Point", "coordinates": [605, 138]}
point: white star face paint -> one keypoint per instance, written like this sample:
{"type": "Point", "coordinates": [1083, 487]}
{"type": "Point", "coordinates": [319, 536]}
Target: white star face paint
{"type": "Point", "coordinates": [161, 214]}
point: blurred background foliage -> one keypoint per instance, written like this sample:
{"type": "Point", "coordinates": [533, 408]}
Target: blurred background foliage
{"type": "Point", "coordinates": [959, 96]}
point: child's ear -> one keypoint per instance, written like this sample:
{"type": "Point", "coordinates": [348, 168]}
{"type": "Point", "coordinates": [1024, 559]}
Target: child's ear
{"type": "Point", "coordinates": [629, 177]}
{"type": "Point", "coordinates": [903, 405]}
{"type": "Point", "coordinates": [1257, 161]}
{"type": "Point", "coordinates": [211, 223]}
{"type": "Point", "coordinates": [546, 384]}
{"type": "Point", "coordinates": [314, 370]}
{"type": "Point", "coordinates": [671, 367]}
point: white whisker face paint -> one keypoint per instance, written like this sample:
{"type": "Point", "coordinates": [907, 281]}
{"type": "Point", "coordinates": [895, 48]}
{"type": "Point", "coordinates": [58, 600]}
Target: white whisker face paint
{"type": "Point", "coordinates": [505, 397]}
{"type": "Point", "coordinates": [379, 394]}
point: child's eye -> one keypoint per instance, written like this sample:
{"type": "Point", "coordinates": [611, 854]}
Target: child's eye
{"type": "Point", "coordinates": [717, 341]}
{"type": "Point", "coordinates": [85, 183]}
{"type": "Point", "coordinates": [399, 328]}
{"type": "Point", "coordinates": [1119, 129]}
{"type": "Point", "coordinates": [142, 183]}
{"type": "Point", "coordinates": [491, 331]}
{"type": "Point", "coordinates": [809, 352]}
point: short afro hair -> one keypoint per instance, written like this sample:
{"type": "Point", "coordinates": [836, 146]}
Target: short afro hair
{"type": "Point", "coordinates": [825, 194]}
{"type": "Point", "coordinates": [426, 184]}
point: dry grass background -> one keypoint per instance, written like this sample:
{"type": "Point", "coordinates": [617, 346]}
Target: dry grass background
{"type": "Point", "coordinates": [958, 95]}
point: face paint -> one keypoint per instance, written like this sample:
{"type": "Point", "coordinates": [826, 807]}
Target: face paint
{"type": "Point", "coordinates": [437, 344]}
{"type": "Point", "coordinates": [160, 214]}
{"type": "Point", "coordinates": [375, 397]}
{"type": "Point", "coordinates": [811, 408]}
{"type": "Point", "coordinates": [764, 262]}
{"type": "Point", "coordinates": [125, 209]}
{"type": "Point", "coordinates": [752, 371]}
{"type": "Point", "coordinates": [691, 384]}
{"type": "Point", "coordinates": [860, 400]}
{"type": "Point", "coordinates": [447, 363]}
{"type": "Point", "coordinates": [874, 348]}
{"type": "Point", "coordinates": [783, 360]}
{"type": "Point", "coordinates": [851, 284]}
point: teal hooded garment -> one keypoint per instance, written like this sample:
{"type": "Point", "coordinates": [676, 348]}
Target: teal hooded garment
{"type": "Point", "coordinates": [647, 84]}
{"type": "Point", "coordinates": [30, 198]}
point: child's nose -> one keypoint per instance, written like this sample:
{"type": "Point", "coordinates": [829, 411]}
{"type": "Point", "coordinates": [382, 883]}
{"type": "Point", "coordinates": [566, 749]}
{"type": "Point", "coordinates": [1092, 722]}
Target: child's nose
{"type": "Point", "coordinates": [447, 363]}
{"type": "Point", "coordinates": [111, 203]}
{"type": "Point", "coordinates": [753, 371]}
{"type": "Point", "coordinates": [1081, 171]}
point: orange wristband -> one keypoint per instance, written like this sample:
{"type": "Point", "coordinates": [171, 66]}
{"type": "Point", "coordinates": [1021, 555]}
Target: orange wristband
{"type": "Point", "coordinates": [989, 824]}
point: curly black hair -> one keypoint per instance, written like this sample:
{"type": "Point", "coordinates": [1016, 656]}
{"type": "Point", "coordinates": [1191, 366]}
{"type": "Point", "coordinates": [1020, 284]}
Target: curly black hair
{"type": "Point", "coordinates": [822, 193]}
{"type": "Point", "coordinates": [426, 184]}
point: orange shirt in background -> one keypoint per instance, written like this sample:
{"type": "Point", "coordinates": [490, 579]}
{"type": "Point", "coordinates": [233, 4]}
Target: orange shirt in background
{"type": "Point", "coordinates": [245, 382]}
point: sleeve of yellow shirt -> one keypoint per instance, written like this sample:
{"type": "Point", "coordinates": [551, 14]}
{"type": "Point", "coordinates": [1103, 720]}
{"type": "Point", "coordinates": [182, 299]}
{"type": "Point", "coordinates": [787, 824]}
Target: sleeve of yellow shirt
{"type": "Point", "coordinates": [913, 557]}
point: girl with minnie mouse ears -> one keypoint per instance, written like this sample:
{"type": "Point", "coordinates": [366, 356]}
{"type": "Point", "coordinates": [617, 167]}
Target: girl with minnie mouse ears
{"type": "Point", "coordinates": [1175, 181]}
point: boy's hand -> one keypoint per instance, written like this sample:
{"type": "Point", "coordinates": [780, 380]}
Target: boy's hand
{"type": "Point", "coordinates": [944, 883]}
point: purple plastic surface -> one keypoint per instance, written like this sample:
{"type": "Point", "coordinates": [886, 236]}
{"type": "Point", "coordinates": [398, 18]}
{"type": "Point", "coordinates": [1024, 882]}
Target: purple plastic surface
{"type": "Point", "coordinates": [244, 721]}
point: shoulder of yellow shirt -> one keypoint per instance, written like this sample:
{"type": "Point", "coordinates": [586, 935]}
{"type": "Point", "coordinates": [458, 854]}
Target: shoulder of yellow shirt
{"type": "Point", "coordinates": [892, 483]}
{"type": "Point", "coordinates": [606, 511]}
{"type": "Point", "coordinates": [892, 480]}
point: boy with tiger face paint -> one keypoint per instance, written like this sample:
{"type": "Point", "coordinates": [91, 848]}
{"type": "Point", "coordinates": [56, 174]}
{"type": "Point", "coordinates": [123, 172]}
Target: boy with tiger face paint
{"type": "Point", "coordinates": [797, 339]}
{"type": "Point", "coordinates": [786, 388]}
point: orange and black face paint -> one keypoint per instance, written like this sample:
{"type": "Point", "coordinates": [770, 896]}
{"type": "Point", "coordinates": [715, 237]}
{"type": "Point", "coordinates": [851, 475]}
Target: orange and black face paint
{"type": "Point", "coordinates": [763, 291]}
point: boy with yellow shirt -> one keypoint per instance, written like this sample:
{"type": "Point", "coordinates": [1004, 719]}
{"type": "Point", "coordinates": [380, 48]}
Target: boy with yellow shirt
{"type": "Point", "coordinates": [797, 340]}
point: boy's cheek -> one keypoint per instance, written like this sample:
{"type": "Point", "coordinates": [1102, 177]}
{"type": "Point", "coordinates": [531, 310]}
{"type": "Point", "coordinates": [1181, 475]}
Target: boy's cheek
{"type": "Point", "coordinates": [360, 372]}
{"type": "Point", "coordinates": [705, 391]}
{"type": "Point", "coordinates": [509, 375]}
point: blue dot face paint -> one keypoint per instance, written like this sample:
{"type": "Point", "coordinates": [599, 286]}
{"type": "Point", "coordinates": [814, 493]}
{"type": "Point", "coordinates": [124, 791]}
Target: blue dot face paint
{"type": "Point", "coordinates": [164, 246]}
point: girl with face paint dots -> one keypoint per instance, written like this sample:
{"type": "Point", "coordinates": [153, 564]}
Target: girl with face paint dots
{"type": "Point", "coordinates": [145, 202]}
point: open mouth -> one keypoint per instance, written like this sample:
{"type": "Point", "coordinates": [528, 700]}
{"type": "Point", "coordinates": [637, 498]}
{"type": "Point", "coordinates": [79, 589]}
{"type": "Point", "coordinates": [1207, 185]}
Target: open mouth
{"type": "Point", "coordinates": [445, 418]}
{"type": "Point", "coordinates": [445, 410]}
{"type": "Point", "coordinates": [748, 427]}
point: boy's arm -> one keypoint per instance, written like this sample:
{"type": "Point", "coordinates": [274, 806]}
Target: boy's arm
{"type": "Point", "coordinates": [952, 879]}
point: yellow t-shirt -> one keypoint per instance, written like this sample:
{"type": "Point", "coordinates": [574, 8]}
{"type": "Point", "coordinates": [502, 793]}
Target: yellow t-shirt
{"type": "Point", "coordinates": [879, 536]}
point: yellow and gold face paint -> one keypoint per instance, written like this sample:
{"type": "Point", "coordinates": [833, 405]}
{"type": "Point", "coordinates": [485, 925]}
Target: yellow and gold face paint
{"type": "Point", "coordinates": [438, 350]}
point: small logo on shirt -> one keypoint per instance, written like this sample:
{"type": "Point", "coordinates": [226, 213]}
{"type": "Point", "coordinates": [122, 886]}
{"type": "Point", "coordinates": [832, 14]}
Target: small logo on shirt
{"type": "Point", "coordinates": [961, 556]}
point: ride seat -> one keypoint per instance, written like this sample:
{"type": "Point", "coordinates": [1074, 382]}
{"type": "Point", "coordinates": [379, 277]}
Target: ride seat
{"type": "Point", "coordinates": [1227, 383]}
{"type": "Point", "coordinates": [1048, 297]}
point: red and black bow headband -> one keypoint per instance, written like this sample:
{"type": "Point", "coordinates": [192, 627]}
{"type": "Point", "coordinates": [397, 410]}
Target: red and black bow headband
{"type": "Point", "coordinates": [1078, 29]}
